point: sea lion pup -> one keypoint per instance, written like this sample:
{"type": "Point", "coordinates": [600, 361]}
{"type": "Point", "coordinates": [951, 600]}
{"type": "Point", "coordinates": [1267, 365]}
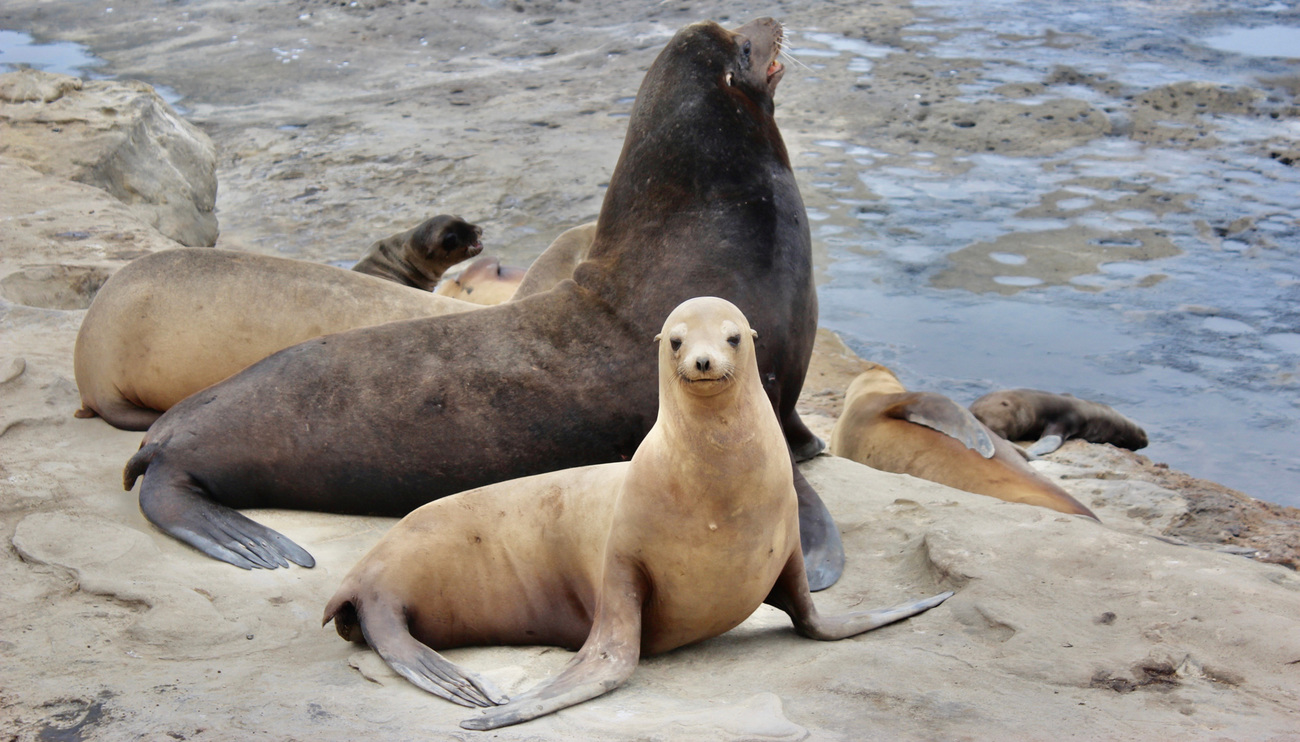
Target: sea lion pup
{"type": "Point", "coordinates": [173, 322]}
{"type": "Point", "coordinates": [678, 545]}
{"type": "Point", "coordinates": [384, 419]}
{"type": "Point", "coordinates": [932, 437]}
{"type": "Point", "coordinates": [418, 257]}
{"type": "Point", "coordinates": [558, 261]}
{"type": "Point", "coordinates": [485, 282]}
{"type": "Point", "coordinates": [1052, 419]}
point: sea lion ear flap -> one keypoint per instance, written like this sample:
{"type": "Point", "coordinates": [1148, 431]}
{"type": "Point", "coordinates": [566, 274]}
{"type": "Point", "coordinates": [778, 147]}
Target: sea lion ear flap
{"type": "Point", "coordinates": [659, 337]}
{"type": "Point", "coordinates": [753, 333]}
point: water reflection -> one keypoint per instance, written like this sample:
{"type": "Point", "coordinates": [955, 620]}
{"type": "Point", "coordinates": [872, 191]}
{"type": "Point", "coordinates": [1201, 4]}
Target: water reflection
{"type": "Point", "coordinates": [1153, 264]}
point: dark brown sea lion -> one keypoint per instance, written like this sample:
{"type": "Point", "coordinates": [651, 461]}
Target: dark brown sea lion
{"type": "Point", "coordinates": [484, 282]}
{"type": "Point", "coordinates": [387, 418]}
{"type": "Point", "coordinates": [418, 257]}
{"type": "Point", "coordinates": [932, 437]}
{"type": "Point", "coordinates": [678, 545]}
{"type": "Point", "coordinates": [1052, 419]}
{"type": "Point", "coordinates": [171, 323]}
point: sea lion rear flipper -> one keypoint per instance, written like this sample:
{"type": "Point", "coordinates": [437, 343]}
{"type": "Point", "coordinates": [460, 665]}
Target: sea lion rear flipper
{"type": "Point", "coordinates": [790, 594]}
{"type": "Point", "coordinates": [605, 661]}
{"type": "Point", "coordinates": [386, 631]}
{"type": "Point", "coordinates": [819, 537]}
{"type": "Point", "coordinates": [173, 502]}
{"type": "Point", "coordinates": [946, 416]}
{"type": "Point", "coordinates": [1046, 444]}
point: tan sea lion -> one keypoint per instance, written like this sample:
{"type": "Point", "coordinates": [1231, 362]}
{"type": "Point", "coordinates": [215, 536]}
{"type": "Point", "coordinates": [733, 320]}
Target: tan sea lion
{"type": "Point", "coordinates": [932, 437]}
{"type": "Point", "coordinates": [418, 257]}
{"type": "Point", "coordinates": [558, 261]}
{"type": "Point", "coordinates": [384, 419]}
{"type": "Point", "coordinates": [1051, 419]}
{"type": "Point", "coordinates": [485, 282]}
{"type": "Point", "coordinates": [171, 323]}
{"type": "Point", "coordinates": [678, 545]}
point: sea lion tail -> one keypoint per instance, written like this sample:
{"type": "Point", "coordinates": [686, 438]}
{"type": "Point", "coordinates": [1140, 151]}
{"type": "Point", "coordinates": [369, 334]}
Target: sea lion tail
{"type": "Point", "coordinates": [138, 464]}
{"type": "Point", "coordinates": [383, 624]}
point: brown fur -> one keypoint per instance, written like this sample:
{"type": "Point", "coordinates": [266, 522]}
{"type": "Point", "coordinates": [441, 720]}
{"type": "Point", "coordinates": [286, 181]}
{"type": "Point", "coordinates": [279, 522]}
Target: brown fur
{"type": "Point", "coordinates": [679, 545]}
{"type": "Point", "coordinates": [386, 418]}
{"type": "Point", "coordinates": [875, 430]}
{"type": "Point", "coordinates": [418, 257]}
{"type": "Point", "coordinates": [174, 322]}
{"type": "Point", "coordinates": [1029, 414]}
{"type": "Point", "coordinates": [558, 261]}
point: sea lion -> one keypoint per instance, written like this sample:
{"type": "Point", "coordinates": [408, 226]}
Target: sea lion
{"type": "Point", "coordinates": [1052, 419]}
{"type": "Point", "coordinates": [678, 545]}
{"type": "Point", "coordinates": [485, 282]}
{"type": "Point", "coordinates": [173, 322]}
{"type": "Point", "coordinates": [384, 419]}
{"type": "Point", "coordinates": [558, 261]}
{"type": "Point", "coordinates": [932, 437]}
{"type": "Point", "coordinates": [418, 257]}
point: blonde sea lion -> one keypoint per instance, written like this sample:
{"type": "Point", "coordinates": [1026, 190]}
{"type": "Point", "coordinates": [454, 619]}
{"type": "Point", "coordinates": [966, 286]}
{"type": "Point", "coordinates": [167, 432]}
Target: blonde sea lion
{"type": "Point", "coordinates": [171, 323]}
{"type": "Point", "coordinates": [932, 437]}
{"type": "Point", "coordinates": [485, 282]}
{"type": "Point", "coordinates": [418, 257]}
{"type": "Point", "coordinates": [678, 545]}
{"type": "Point", "coordinates": [1052, 419]}
{"type": "Point", "coordinates": [383, 419]}
{"type": "Point", "coordinates": [558, 261]}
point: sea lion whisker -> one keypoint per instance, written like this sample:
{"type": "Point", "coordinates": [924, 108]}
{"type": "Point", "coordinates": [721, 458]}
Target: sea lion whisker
{"type": "Point", "coordinates": [787, 55]}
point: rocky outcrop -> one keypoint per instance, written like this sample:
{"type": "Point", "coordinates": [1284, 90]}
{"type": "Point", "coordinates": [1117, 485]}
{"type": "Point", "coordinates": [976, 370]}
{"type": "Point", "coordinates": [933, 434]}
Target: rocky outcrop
{"type": "Point", "coordinates": [117, 136]}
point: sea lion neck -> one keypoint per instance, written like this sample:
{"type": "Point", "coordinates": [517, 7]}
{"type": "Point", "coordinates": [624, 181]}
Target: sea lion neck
{"type": "Point", "coordinates": [692, 139]}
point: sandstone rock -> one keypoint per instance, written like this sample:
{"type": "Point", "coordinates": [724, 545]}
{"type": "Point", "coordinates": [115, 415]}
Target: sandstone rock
{"type": "Point", "coordinates": [118, 136]}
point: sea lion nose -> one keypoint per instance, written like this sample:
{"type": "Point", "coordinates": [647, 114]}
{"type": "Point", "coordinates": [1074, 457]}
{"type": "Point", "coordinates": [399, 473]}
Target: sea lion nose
{"type": "Point", "coordinates": [702, 363]}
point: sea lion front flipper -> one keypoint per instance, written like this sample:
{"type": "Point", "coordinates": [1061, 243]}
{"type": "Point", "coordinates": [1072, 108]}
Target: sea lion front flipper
{"type": "Point", "coordinates": [386, 631]}
{"type": "Point", "coordinates": [173, 502]}
{"type": "Point", "coordinates": [790, 594]}
{"type": "Point", "coordinates": [1046, 444]}
{"type": "Point", "coordinates": [605, 661]}
{"type": "Point", "coordinates": [937, 412]}
{"type": "Point", "coordinates": [819, 537]}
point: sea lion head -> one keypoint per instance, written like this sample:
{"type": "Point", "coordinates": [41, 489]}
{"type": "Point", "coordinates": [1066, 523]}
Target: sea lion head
{"type": "Point", "coordinates": [446, 240]}
{"type": "Point", "coordinates": [757, 69]}
{"type": "Point", "coordinates": [706, 346]}
{"type": "Point", "coordinates": [874, 379]}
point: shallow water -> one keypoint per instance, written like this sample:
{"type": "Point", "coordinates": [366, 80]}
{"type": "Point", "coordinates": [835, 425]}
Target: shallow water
{"type": "Point", "coordinates": [1164, 281]}
{"type": "Point", "coordinates": [19, 50]}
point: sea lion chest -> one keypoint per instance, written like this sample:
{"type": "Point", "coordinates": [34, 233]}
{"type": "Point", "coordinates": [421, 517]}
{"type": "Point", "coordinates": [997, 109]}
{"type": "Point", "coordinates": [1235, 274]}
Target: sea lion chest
{"type": "Point", "coordinates": [709, 536]}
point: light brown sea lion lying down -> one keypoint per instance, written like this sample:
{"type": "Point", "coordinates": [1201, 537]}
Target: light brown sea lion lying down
{"type": "Point", "coordinates": [932, 437]}
{"type": "Point", "coordinates": [171, 323]}
{"type": "Point", "coordinates": [485, 281]}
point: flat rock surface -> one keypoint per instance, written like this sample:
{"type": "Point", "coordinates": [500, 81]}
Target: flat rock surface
{"type": "Point", "coordinates": [336, 124]}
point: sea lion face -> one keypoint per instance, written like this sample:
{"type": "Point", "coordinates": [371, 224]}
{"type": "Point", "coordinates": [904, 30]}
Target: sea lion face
{"type": "Point", "coordinates": [447, 240]}
{"type": "Point", "coordinates": [757, 46]}
{"type": "Point", "coordinates": [704, 343]}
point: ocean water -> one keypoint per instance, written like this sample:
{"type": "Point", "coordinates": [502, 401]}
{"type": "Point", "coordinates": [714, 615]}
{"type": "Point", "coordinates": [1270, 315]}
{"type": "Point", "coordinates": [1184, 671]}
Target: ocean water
{"type": "Point", "coordinates": [1162, 280]}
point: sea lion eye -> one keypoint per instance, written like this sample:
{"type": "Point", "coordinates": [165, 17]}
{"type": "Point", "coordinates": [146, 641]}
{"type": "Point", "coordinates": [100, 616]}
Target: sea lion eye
{"type": "Point", "coordinates": [676, 344]}
{"type": "Point", "coordinates": [450, 240]}
{"type": "Point", "coordinates": [734, 341]}
{"type": "Point", "coordinates": [744, 50]}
